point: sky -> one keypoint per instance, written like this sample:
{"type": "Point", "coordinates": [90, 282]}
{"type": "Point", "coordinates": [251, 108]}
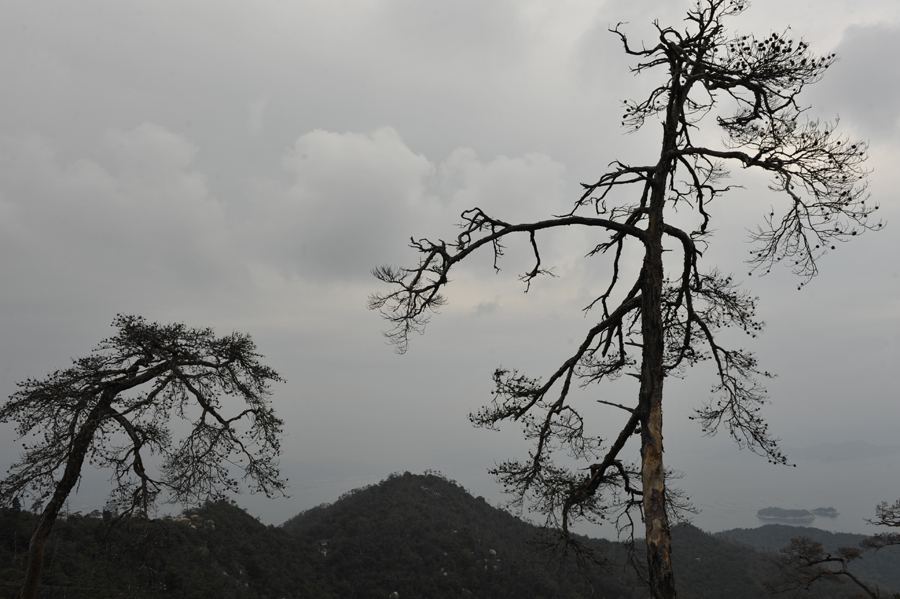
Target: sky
{"type": "Point", "coordinates": [244, 166]}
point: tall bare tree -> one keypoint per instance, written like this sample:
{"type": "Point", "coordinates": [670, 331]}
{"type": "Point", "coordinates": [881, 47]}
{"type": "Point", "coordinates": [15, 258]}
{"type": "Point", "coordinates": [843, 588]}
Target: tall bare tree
{"type": "Point", "coordinates": [113, 407]}
{"type": "Point", "coordinates": [666, 316]}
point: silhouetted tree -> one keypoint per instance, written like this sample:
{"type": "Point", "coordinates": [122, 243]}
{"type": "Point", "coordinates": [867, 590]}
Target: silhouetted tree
{"type": "Point", "coordinates": [657, 321]}
{"type": "Point", "coordinates": [805, 562]}
{"type": "Point", "coordinates": [885, 515]}
{"type": "Point", "coordinates": [113, 407]}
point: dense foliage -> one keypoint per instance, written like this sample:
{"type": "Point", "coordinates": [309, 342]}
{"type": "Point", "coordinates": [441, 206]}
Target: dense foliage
{"type": "Point", "coordinates": [414, 535]}
{"type": "Point", "coordinates": [425, 536]}
{"type": "Point", "coordinates": [219, 552]}
{"type": "Point", "coordinates": [113, 409]}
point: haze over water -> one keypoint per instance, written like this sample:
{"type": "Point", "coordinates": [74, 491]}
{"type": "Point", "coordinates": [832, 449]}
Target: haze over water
{"type": "Point", "coordinates": [852, 477]}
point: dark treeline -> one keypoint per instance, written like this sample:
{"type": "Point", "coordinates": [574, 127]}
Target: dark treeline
{"type": "Point", "coordinates": [881, 568]}
{"type": "Point", "coordinates": [222, 552]}
{"type": "Point", "coordinates": [413, 535]}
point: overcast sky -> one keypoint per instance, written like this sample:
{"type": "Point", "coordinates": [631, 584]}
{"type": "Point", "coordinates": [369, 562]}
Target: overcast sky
{"type": "Point", "coordinates": [244, 165]}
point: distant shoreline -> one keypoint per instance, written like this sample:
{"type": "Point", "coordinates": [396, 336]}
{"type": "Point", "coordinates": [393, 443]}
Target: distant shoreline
{"type": "Point", "coordinates": [808, 518]}
{"type": "Point", "coordinates": [777, 513]}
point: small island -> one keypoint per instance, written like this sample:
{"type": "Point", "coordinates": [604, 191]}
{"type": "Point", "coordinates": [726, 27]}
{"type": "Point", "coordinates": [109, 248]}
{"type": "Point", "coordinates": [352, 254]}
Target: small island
{"type": "Point", "coordinates": [777, 513]}
{"type": "Point", "coordinates": [829, 512]}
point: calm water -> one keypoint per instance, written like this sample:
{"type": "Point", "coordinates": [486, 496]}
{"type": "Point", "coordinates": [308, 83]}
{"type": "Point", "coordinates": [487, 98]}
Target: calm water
{"type": "Point", "coordinates": [730, 490]}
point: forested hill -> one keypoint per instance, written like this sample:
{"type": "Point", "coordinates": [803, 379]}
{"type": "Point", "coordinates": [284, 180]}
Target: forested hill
{"type": "Point", "coordinates": [425, 536]}
{"type": "Point", "coordinates": [219, 551]}
{"type": "Point", "coordinates": [414, 535]}
{"type": "Point", "coordinates": [881, 568]}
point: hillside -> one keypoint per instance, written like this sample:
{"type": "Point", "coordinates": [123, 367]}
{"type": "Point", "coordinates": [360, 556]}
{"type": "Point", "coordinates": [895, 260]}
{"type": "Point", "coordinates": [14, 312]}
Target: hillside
{"type": "Point", "coordinates": [220, 552]}
{"type": "Point", "coordinates": [413, 535]}
{"type": "Point", "coordinates": [425, 536]}
{"type": "Point", "coordinates": [881, 568]}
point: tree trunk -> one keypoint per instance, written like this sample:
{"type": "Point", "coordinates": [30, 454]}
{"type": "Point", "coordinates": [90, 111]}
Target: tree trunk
{"type": "Point", "coordinates": [38, 543]}
{"type": "Point", "coordinates": [653, 479]}
{"type": "Point", "coordinates": [659, 545]}
{"type": "Point", "coordinates": [659, 542]}
{"type": "Point", "coordinates": [36, 551]}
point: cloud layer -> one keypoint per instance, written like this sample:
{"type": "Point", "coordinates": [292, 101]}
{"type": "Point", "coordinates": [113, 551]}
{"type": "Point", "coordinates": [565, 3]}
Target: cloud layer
{"type": "Point", "coordinates": [245, 167]}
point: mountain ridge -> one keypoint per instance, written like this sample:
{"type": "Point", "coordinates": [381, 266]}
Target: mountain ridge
{"type": "Point", "coordinates": [409, 536]}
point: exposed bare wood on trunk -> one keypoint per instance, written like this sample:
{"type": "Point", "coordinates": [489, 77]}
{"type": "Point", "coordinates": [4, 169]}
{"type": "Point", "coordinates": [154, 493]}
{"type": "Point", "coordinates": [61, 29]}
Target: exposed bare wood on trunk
{"type": "Point", "coordinates": [650, 397]}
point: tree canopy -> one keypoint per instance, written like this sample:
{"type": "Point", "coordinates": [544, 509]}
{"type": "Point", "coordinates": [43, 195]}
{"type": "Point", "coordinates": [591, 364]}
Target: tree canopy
{"type": "Point", "coordinates": [113, 409]}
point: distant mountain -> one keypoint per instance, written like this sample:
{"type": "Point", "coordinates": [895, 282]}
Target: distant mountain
{"type": "Point", "coordinates": [409, 536]}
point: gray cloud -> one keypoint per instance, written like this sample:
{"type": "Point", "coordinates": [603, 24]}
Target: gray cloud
{"type": "Point", "coordinates": [142, 212]}
{"type": "Point", "coordinates": [863, 87]}
{"type": "Point", "coordinates": [245, 166]}
{"type": "Point", "coordinates": [357, 198]}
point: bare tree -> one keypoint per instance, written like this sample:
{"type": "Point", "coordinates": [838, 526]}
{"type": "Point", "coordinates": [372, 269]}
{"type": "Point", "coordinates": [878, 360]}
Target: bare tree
{"type": "Point", "coordinates": [666, 317]}
{"type": "Point", "coordinates": [113, 407]}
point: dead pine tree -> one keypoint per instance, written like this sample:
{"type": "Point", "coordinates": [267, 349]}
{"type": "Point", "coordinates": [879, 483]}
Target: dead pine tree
{"type": "Point", "coordinates": [668, 315]}
{"type": "Point", "coordinates": [112, 408]}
